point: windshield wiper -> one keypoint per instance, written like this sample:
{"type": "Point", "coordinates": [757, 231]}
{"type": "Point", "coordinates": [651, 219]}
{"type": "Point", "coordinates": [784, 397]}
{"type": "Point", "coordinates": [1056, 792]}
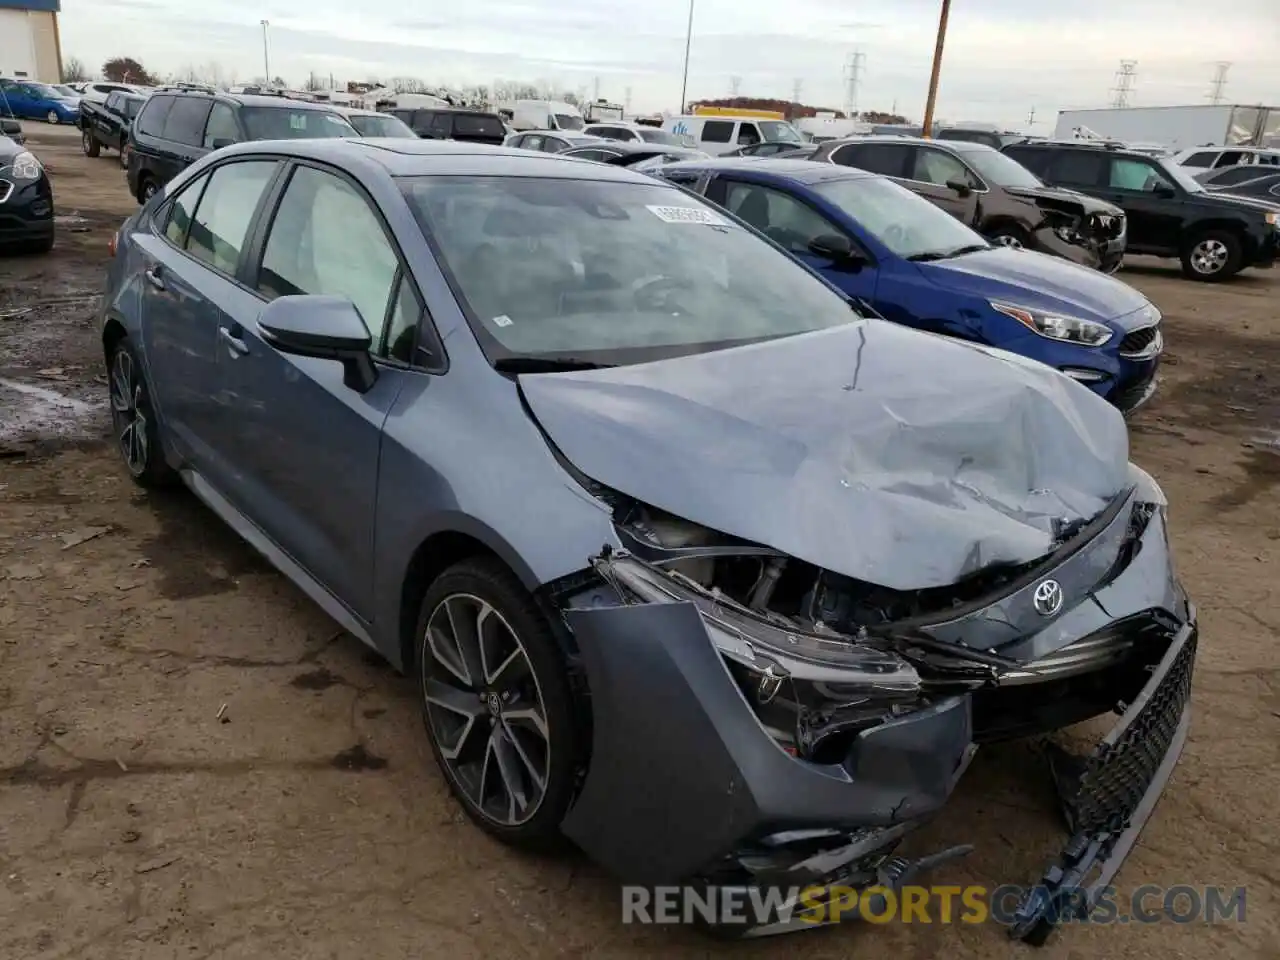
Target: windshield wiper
{"type": "Point", "coordinates": [932, 255]}
{"type": "Point", "coordinates": [535, 364]}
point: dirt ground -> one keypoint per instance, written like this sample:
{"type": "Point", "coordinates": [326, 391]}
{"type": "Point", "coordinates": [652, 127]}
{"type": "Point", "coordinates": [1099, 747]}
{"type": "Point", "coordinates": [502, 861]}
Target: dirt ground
{"type": "Point", "coordinates": [309, 820]}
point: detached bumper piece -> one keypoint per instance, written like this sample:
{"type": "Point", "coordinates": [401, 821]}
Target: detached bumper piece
{"type": "Point", "coordinates": [1108, 796]}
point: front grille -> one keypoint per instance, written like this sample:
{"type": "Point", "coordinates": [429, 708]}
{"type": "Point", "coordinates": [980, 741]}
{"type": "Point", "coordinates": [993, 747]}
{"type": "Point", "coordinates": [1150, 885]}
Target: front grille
{"type": "Point", "coordinates": [1114, 778]}
{"type": "Point", "coordinates": [1140, 342]}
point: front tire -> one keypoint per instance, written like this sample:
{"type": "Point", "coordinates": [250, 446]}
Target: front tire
{"type": "Point", "coordinates": [497, 704]}
{"type": "Point", "coordinates": [90, 144]}
{"type": "Point", "coordinates": [1009, 235]}
{"type": "Point", "coordinates": [52, 117]}
{"type": "Point", "coordinates": [1213, 256]}
{"type": "Point", "coordinates": [133, 421]}
{"type": "Point", "coordinates": [147, 188]}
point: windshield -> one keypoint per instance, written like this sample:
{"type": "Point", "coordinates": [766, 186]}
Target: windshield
{"type": "Point", "coordinates": [611, 272]}
{"type": "Point", "coordinates": [282, 123]}
{"type": "Point", "coordinates": [567, 121]}
{"type": "Point", "coordinates": [654, 135]}
{"type": "Point", "coordinates": [1001, 170]}
{"type": "Point", "coordinates": [905, 223]}
{"type": "Point", "coordinates": [381, 125]}
{"type": "Point", "coordinates": [778, 130]}
{"type": "Point", "coordinates": [1178, 175]}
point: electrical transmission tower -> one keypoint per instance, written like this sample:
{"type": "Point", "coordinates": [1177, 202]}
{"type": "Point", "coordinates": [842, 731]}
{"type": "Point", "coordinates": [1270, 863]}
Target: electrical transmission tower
{"type": "Point", "coordinates": [627, 101]}
{"type": "Point", "coordinates": [1219, 82]}
{"type": "Point", "coordinates": [1125, 78]}
{"type": "Point", "coordinates": [795, 89]}
{"type": "Point", "coordinates": [852, 80]}
{"type": "Point", "coordinates": [735, 84]}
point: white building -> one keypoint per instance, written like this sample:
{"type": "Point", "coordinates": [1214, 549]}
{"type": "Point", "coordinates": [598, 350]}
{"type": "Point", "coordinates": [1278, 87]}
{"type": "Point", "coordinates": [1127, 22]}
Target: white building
{"type": "Point", "coordinates": [30, 48]}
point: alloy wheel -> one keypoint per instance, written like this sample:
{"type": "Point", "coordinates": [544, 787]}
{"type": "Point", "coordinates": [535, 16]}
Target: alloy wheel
{"type": "Point", "coordinates": [485, 710]}
{"type": "Point", "coordinates": [128, 416]}
{"type": "Point", "coordinates": [1209, 256]}
{"type": "Point", "coordinates": [84, 142]}
{"type": "Point", "coordinates": [52, 116]}
{"type": "Point", "coordinates": [1006, 240]}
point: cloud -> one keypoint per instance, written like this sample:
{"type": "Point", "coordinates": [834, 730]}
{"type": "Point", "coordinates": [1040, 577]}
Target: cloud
{"type": "Point", "coordinates": [1002, 57]}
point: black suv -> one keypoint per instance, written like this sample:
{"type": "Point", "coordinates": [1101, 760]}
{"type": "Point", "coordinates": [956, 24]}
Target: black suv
{"type": "Point", "coordinates": [175, 129]}
{"type": "Point", "coordinates": [1170, 214]}
{"type": "Point", "coordinates": [438, 123]}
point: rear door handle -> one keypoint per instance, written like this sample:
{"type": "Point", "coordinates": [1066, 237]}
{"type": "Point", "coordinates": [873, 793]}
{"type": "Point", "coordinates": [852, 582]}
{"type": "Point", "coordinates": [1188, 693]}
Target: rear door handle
{"type": "Point", "coordinates": [154, 278]}
{"type": "Point", "coordinates": [236, 346]}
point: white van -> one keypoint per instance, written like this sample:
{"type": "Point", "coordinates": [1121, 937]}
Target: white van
{"type": "Point", "coordinates": [543, 115]}
{"type": "Point", "coordinates": [717, 135]}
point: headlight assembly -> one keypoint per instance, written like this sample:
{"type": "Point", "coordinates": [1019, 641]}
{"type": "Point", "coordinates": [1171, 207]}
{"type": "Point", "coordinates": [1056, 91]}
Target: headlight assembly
{"type": "Point", "coordinates": [1056, 326]}
{"type": "Point", "coordinates": [25, 167]}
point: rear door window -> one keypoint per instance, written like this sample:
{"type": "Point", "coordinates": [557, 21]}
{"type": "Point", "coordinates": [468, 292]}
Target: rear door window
{"type": "Point", "coordinates": [476, 125]}
{"type": "Point", "coordinates": [1037, 161]}
{"type": "Point", "coordinates": [887, 159]}
{"type": "Point", "coordinates": [531, 141]}
{"type": "Point", "coordinates": [185, 122]}
{"type": "Point", "coordinates": [221, 222]}
{"type": "Point", "coordinates": [1203, 159]}
{"type": "Point", "coordinates": [154, 113]}
{"type": "Point", "coordinates": [1086, 168]}
{"type": "Point", "coordinates": [787, 221]}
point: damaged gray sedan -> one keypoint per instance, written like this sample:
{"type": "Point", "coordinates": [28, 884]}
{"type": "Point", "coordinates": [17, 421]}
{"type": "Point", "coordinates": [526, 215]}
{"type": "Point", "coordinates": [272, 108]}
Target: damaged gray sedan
{"type": "Point", "coordinates": [693, 563]}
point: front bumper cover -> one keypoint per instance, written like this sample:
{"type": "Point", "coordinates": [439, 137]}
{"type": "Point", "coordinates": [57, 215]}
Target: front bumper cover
{"type": "Point", "coordinates": [686, 780]}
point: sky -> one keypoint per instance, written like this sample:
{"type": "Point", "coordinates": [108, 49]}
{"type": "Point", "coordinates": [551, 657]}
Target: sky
{"type": "Point", "coordinates": [1003, 58]}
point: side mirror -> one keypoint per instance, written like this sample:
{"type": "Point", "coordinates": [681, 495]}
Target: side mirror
{"type": "Point", "coordinates": [961, 188]}
{"type": "Point", "coordinates": [221, 142]}
{"type": "Point", "coordinates": [837, 248]}
{"type": "Point", "coordinates": [1164, 191]}
{"type": "Point", "coordinates": [329, 328]}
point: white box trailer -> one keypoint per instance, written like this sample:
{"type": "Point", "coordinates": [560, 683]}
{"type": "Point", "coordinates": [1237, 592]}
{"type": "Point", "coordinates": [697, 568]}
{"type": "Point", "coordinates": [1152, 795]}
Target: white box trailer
{"type": "Point", "coordinates": [1177, 128]}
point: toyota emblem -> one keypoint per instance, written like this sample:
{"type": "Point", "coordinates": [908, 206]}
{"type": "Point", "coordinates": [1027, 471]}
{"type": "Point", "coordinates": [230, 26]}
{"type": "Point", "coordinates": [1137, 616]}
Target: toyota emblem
{"type": "Point", "coordinates": [1048, 597]}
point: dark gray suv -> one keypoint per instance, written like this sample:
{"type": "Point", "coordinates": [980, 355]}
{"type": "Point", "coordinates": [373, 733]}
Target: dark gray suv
{"type": "Point", "coordinates": [993, 194]}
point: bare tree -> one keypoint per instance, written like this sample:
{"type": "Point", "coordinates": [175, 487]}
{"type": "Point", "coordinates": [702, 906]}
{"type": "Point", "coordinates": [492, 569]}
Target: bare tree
{"type": "Point", "coordinates": [73, 70]}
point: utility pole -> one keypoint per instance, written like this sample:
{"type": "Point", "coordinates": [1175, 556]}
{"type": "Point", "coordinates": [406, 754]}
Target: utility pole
{"type": "Point", "coordinates": [1031, 117]}
{"type": "Point", "coordinates": [266, 65]}
{"type": "Point", "coordinates": [1219, 82]}
{"type": "Point", "coordinates": [1125, 78]}
{"type": "Point", "coordinates": [932, 100]}
{"type": "Point", "coordinates": [853, 78]}
{"type": "Point", "coordinates": [735, 85]}
{"type": "Point", "coordinates": [684, 82]}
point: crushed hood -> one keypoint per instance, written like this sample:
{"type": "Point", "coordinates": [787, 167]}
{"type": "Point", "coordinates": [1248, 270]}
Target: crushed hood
{"type": "Point", "coordinates": [892, 456]}
{"type": "Point", "coordinates": [1036, 281]}
{"type": "Point", "coordinates": [1064, 199]}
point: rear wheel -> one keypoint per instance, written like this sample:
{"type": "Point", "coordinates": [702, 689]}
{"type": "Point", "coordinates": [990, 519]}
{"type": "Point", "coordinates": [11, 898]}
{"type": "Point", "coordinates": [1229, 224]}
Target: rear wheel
{"type": "Point", "coordinates": [147, 188]}
{"type": "Point", "coordinates": [133, 419]}
{"type": "Point", "coordinates": [1213, 256]}
{"type": "Point", "coordinates": [496, 703]}
{"type": "Point", "coordinates": [124, 155]}
{"type": "Point", "coordinates": [89, 143]}
{"type": "Point", "coordinates": [52, 116]}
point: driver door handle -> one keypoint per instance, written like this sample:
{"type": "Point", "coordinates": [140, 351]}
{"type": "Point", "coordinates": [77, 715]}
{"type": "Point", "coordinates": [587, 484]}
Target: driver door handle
{"type": "Point", "coordinates": [235, 346]}
{"type": "Point", "coordinates": [154, 278]}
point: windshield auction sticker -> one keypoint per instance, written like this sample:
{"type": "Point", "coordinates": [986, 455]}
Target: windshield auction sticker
{"type": "Point", "coordinates": [687, 215]}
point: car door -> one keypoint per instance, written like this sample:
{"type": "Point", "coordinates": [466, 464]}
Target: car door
{"type": "Point", "coordinates": [183, 136]}
{"type": "Point", "coordinates": [1150, 202]}
{"type": "Point", "coordinates": [191, 262]}
{"type": "Point", "coordinates": [937, 176]}
{"type": "Point", "coordinates": [305, 445]}
{"type": "Point", "coordinates": [16, 101]}
{"type": "Point", "coordinates": [442, 125]}
{"type": "Point", "coordinates": [793, 223]}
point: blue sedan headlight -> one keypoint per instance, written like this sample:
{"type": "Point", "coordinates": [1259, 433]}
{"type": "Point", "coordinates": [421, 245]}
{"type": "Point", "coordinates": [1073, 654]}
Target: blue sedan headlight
{"type": "Point", "coordinates": [1057, 326]}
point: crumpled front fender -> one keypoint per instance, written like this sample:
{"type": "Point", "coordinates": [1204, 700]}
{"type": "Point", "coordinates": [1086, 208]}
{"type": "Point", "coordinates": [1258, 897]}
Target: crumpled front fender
{"type": "Point", "coordinates": [682, 772]}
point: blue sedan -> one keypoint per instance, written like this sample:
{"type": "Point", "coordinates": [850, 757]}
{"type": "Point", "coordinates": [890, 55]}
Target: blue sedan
{"type": "Point", "coordinates": [37, 101]}
{"type": "Point", "coordinates": [917, 265]}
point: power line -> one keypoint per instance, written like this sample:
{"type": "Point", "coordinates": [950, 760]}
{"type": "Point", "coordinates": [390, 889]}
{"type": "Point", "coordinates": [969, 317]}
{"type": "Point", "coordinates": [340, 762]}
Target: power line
{"type": "Point", "coordinates": [852, 78]}
{"type": "Point", "coordinates": [1126, 76]}
{"type": "Point", "coordinates": [1219, 82]}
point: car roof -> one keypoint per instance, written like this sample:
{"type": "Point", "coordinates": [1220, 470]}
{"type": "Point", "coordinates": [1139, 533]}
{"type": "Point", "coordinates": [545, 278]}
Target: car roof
{"type": "Point", "coordinates": [402, 157]}
{"type": "Point", "coordinates": [801, 171]}
{"type": "Point", "coordinates": [250, 99]}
